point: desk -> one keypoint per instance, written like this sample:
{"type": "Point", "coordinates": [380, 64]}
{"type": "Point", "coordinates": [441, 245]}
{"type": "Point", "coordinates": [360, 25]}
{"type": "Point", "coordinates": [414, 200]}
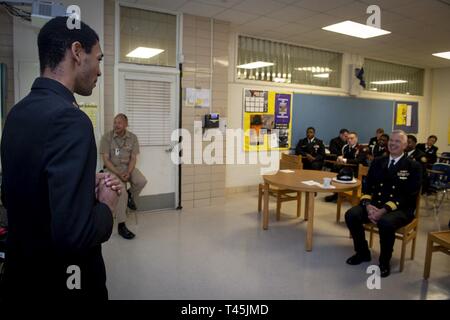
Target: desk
{"type": "Point", "coordinates": [293, 181]}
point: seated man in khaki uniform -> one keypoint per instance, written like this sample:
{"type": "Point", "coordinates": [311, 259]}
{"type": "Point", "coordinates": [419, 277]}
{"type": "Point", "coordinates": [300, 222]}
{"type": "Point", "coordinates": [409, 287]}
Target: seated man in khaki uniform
{"type": "Point", "coordinates": [119, 148]}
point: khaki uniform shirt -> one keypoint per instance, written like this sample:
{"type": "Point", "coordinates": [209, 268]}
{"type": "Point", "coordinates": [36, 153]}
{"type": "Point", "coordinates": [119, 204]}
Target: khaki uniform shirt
{"type": "Point", "coordinates": [119, 148]}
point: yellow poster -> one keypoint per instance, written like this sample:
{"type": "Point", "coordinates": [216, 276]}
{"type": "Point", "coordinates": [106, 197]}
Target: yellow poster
{"type": "Point", "coordinates": [402, 110]}
{"type": "Point", "coordinates": [91, 110]}
{"type": "Point", "coordinates": [267, 120]}
{"type": "Point", "coordinates": [449, 131]}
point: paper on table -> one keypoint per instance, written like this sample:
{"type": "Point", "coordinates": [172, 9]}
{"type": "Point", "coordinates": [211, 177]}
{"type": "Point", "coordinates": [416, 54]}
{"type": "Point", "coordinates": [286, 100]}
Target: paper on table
{"type": "Point", "coordinates": [287, 171]}
{"type": "Point", "coordinates": [320, 185]}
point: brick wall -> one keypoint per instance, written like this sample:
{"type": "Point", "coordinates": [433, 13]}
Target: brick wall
{"type": "Point", "coordinates": [204, 185]}
{"type": "Point", "coordinates": [6, 54]}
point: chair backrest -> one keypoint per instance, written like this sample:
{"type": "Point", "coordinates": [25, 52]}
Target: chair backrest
{"type": "Point", "coordinates": [362, 171]}
{"type": "Point", "coordinates": [290, 161]}
{"type": "Point", "coordinates": [440, 175]}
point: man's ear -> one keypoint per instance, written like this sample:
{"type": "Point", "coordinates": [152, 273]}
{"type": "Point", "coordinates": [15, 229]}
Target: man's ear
{"type": "Point", "coordinates": [76, 50]}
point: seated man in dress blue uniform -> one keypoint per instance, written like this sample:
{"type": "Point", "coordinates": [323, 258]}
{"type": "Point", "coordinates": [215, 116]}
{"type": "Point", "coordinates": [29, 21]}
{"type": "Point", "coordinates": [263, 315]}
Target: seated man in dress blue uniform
{"type": "Point", "coordinates": [388, 200]}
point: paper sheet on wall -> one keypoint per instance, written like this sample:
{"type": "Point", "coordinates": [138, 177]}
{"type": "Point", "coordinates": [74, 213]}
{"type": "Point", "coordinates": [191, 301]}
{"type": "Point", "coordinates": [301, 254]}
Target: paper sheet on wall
{"type": "Point", "coordinates": [91, 111]}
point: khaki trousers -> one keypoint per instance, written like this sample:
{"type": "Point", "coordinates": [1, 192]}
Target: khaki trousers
{"type": "Point", "coordinates": [137, 182]}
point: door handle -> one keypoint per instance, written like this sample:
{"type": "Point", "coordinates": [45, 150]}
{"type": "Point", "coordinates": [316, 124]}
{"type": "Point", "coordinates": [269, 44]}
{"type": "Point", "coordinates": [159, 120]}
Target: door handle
{"type": "Point", "coordinates": [170, 149]}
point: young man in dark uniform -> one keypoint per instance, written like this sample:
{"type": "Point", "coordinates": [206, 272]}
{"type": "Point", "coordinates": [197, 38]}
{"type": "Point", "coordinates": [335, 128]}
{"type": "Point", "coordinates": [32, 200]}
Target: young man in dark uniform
{"type": "Point", "coordinates": [312, 150]}
{"type": "Point", "coordinates": [388, 200]}
{"type": "Point", "coordinates": [380, 148]}
{"type": "Point", "coordinates": [336, 144]}
{"type": "Point", "coordinates": [429, 149]}
{"type": "Point", "coordinates": [417, 155]}
{"type": "Point", "coordinates": [374, 140]}
{"type": "Point", "coordinates": [59, 210]}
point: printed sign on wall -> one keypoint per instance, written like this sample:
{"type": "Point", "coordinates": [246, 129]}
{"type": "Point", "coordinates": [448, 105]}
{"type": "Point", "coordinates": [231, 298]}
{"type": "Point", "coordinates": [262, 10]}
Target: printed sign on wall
{"type": "Point", "coordinates": [406, 116]}
{"type": "Point", "coordinates": [267, 120]}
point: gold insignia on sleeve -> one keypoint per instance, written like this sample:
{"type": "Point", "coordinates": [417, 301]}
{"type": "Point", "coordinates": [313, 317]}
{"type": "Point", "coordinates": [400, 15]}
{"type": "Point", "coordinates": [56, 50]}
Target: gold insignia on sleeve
{"type": "Point", "coordinates": [366, 197]}
{"type": "Point", "coordinates": [391, 205]}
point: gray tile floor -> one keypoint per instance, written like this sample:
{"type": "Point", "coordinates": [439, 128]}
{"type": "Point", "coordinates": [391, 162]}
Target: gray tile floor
{"type": "Point", "coordinates": [222, 253]}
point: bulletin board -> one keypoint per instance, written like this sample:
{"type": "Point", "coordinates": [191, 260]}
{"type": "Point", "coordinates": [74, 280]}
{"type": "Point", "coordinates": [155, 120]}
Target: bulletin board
{"type": "Point", "coordinates": [406, 116]}
{"type": "Point", "coordinates": [267, 120]}
{"type": "Point", "coordinates": [328, 114]}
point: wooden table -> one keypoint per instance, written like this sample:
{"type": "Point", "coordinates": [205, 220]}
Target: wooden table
{"type": "Point", "coordinates": [293, 181]}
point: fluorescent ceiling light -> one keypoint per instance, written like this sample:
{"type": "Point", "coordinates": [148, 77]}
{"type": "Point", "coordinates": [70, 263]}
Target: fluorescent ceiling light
{"type": "Point", "coordinates": [314, 69]}
{"type": "Point", "coordinates": [322, 75]}
{"type": "Point", "coordinates": [255, 65]}
{"type": "Point", "coordinates": [279, 80]}
{"type": "Point", "coordinates": [445, 55]}
{"type": "Point", "coordinates": [389, 82]}
{"type": "Point", "coordinates": [356, 29]}
{"type": "Point", "coordinates": [144, 53]}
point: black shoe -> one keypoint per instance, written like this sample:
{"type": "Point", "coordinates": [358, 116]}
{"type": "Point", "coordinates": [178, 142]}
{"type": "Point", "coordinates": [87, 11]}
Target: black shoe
{"type": "Point", "coordinates": [385, 270]}
{"type": "Point", "coordinates": [131, 204]}
{"type": "Point", "coordinates": [332, 198]}
{"type": "Point", "coordinates": [124, 232]}
{"type": "Point", "coordinates": [358, 259]}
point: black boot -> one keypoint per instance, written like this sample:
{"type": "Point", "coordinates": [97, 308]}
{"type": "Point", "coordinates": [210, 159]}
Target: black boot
{"type": "Point", "coordinates": [131, 204]}
{"type": "Point", "coordinates": [124, 232]}
{"type": "Point", "coordinates": [359, 258]}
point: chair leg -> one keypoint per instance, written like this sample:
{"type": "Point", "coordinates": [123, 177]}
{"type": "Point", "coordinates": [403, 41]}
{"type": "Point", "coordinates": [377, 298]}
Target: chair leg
{"type": "Point", "coordinates": [413, 247]}
{"type": "Point", "coordinates": [402, 254]}
{"type": "Point", "coordinates": [428, 256]}
{"type": "Point", "coordinates": [371, 237]}
{"type": "Point", "coordinates": [299, 204]}
{"type": "Point", "coordinates": [278, 206]}
{"type": "Point", "coordinates": [338, 208]}
{"type": "Point", "coordinates": [260, 194]}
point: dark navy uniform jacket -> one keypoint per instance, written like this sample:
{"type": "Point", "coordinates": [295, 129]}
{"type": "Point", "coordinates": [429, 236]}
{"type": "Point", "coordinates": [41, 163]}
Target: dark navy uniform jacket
{"type": "Point", "coordinates": [394, 189]}
{"type": "Point", "coordinates": [431, 153]}
{"type": "Point", "coordinates": [336, 145]}
{"type": "Point", "coordinates": [49, 159]}
{"type": "Point", "coordinates": [356, 155]}
{"type": "Point", "coordinates": [315, 148]}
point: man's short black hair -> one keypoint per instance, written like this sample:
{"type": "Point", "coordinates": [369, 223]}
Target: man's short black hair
{"type": "Point", "coordinates": [385, 135]}
{"type": "Point", "coordinates": [433, 136]}
{"type": "Point", "coordinates": [343, 131]}
{"type": "Point", "coordinates": [413, 138]}
{"type": "Point", "coordinates": [55, 38]}
{"type": "Point", "coordinates": [311, 128]}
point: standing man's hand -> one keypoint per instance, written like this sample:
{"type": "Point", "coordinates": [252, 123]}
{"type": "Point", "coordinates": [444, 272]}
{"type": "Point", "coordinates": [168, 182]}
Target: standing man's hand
{"type": "Point", "coordinates": [125, 177]}
{"type": "Point", "coordinates": [109, 181]}
{"type": "Point", "coordinates": [107, 195]}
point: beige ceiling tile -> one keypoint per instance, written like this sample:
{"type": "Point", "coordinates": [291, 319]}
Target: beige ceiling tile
{"type": "Point", "coordinates": [322, 5]}
{"type": "Point", "coordinates": [258, 6]}
{"type": "Point", "coordinates": [235, 16]}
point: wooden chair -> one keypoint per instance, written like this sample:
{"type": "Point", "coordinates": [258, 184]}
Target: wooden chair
{"type": "Point", "coordinates": [405, 234]}
{"type": "Point", "coordinates": [343, 196]}
{"type": "Point", "coordinates": [287, 161]}
{"type": "Point", "coordinates": [442, 239]}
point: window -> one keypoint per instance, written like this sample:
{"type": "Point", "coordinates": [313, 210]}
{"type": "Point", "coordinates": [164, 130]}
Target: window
{"type": "Point", "coordinates": [390, 77]}
{"type": "Point", "coordinates": [147, 105]}
{"type": "Point", "coordinates": [266, 60]}
{"type": "Point", "coordinates": [147, 37]}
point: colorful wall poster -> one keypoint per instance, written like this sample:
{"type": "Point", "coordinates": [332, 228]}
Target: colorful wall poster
{"type": "Point", "coordinates": [406, 116]}
{"type": "Point", "coordinates": [267, 120]}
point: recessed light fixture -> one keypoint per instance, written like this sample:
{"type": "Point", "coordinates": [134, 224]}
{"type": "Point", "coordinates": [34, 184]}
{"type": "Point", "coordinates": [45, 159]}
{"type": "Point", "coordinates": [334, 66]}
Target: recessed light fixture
{"type": "Point", "coordinates": [356, 29]}
{"type": "Point", "coordinates": [389, 82]}
{"type": "Point", "coordinates": [144, 53]}
{"type": "Point", "coordinates": [255, 65]}
{"type": "Point", "coordinates": [279, 80]}
{"type": "Point", "coordinates": [322, 75]}
{"type": "Point", "coordinates": [445, 55]}
{"type": "Point", "coordinates": [314, 69]}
